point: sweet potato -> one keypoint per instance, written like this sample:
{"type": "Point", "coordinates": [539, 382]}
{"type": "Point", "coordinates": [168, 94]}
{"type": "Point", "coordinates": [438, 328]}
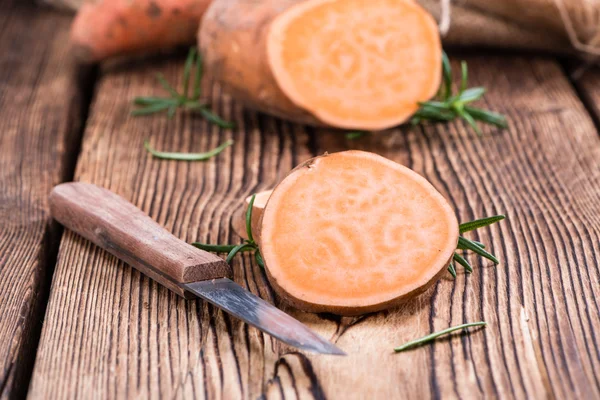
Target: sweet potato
{"type": "Point", "coordinates": [353, 232]}
{"type": "Point", "coordinates": [359, 64]}
{"type": "Point", "coordinates": [114, 27]}
{"type": "Point", "coordinates": [258, 207]}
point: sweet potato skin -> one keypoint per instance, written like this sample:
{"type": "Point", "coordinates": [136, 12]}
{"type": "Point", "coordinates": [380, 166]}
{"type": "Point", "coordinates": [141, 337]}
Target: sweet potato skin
{"type": "Point", "coordinates": [350, 311]}
{"type": "Point", "coordinates": [117, 27]}
{"type": "Point", "coordinates": [239, 219]}
{"type": "Point", "coordinates": [232, 38]}
{"type": "Point", "coordinates": [345, 310]}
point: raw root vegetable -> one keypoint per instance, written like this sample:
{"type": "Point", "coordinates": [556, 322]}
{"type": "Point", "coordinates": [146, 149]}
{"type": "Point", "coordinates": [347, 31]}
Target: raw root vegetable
{"type": "Point", "coordinates": [354, 232]}
{"type": "Point", "coordinates": [357, 64]}
{"type": "Point", "coordinates": [114, 27]}
{"type": "Point", "coordinates": [258, 207]}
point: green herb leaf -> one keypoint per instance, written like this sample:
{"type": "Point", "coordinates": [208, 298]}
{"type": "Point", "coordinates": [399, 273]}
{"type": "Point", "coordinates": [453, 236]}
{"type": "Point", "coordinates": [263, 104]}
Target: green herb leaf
{"type": "Point", "coordinates": [466, 244]}
{"type": "Point", "coordinates": [187, 69]}
{"type": "Point", "coordinates": [467, 117]}
{"type": "Point", "coordinates": [187, 156]}
{"type": "Point", "coordinates": [489, 117]}
{"type": "Point", "coordinates": [150, 109]}
{"type": "Point", "coordinates": [480, 223]}
{"type": "Point", "coordinates": [435, 335]}
{"type": "Point", "coordinates": [214, 248]}
{"type": "Point", "coordinates": [237, 249]}
{"type": "Point", "coordinates": [249, 219]}
{"type": "Point", "coordinates": [148, 101]}
{"type": "Point", "coordinates": [448, 107]}
{"type": "Point", "coordinates": [153, 105]}
{"type": "Point", "coordinates": [355, 135]}
{"type": "Point", "coordinates": [215, 119]}
{"type": "Point", "coordinates": [452, 270]}
{"type": "Point", "coordinates": [433, 112]}
{"type": "Point", "coordinates": [447, 76]}
{"type": "Point", "coordinates": [166, 85]}
{"type": "Point", "coordinates": [462, 261]}
{"type": "Point", "coordinates": [248, 245]}
{"type": "Point", "coordinates": [259, 259]}
{"type": "Point", "coordinates": [471, 94]}
{"type": "Point", "coordinates": [464, 76]}
{"type": "Point", "coordinates": [434, 105]}
{"type": "Point", "coordinates": [475, 246]}
{"type": "Point", "coordinates": [195, 105]}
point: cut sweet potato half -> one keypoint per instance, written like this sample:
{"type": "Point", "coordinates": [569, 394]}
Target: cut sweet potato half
{"type": "Point", "coordinates": [356, 64]}
{"type": "Point", "coordinates": [353, 232]}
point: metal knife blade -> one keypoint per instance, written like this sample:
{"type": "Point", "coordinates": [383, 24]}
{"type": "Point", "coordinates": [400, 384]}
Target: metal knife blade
{"type": "Point", "coordinates": [232, 298]}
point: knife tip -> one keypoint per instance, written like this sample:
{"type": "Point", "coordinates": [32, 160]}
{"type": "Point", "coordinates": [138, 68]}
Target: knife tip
{"type": "Point", "coordinates": [325, 348]}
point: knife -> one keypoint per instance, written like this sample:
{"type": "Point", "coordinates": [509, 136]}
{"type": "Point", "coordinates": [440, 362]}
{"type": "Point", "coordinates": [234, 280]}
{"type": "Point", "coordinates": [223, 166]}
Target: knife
{"type": "Point", "coordinates": [125, 231]}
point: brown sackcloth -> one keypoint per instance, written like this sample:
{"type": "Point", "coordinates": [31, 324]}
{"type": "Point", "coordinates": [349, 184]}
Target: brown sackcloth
{"type": "Point", "coordinates": [560, 26]}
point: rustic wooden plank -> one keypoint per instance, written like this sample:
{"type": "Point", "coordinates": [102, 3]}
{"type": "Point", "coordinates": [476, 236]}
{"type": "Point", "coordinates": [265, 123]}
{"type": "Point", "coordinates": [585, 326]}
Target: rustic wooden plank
{"type": "Point", "coordinates": [110, 332]}
{"type": "Point", "coordinates": [41, 107]}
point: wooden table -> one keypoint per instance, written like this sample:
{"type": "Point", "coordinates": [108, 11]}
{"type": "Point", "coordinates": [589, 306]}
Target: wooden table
{"type": "Point", "coordinates": [77, 323]}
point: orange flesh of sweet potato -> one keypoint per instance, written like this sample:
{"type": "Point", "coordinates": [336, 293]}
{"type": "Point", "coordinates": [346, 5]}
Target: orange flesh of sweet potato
{"type": "Point", "coordinates": [353, 232]}
{"type": "Point", "coordinates": [115, 27]}
{"type": "Point", "coordinates": [361, 64]}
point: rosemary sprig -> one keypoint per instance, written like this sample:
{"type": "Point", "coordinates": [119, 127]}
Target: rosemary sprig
{"type": "Point", "coordinates": [152, 105]}
{"type": "Point", "coordinates": [435, 335]}
{"type": "Point", "coordinates": [447, 106]}
{"type": "Point", "coordinates": [479, 223]}
{"type": "Point", "coordinates": [233, 249]}
{"type": "Point", "coordinates": [450, 106]}
{"type": "Point", "coordinates": [164, 155]}
{"type": "Point", "coordinates": [472, 245]}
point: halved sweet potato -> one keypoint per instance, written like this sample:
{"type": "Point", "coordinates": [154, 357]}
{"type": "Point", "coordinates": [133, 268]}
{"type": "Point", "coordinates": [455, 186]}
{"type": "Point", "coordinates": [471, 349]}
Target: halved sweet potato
{"type": "Point", "coordinates": [360, 64]}
{"type": "Point", "coordinates": [354, 232]}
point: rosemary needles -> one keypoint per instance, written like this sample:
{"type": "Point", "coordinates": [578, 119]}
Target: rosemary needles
{"type": "Point", "coordinates": [233, 249]}
{"type": "Point", "coordinates": [165, 155]}
{"type": "Point", "coordinates": [192, 73]}
{"type": "Point", "coordinates": [450, 106]}
{"type": "Point", "coordinates": [472, 245]}
{"type": "Point", "coordinates": [433, 336]}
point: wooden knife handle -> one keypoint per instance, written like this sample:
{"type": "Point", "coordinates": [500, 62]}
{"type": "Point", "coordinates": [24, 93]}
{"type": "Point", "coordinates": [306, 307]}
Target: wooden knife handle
{"type": "Point", "coordinates": [122, 229]}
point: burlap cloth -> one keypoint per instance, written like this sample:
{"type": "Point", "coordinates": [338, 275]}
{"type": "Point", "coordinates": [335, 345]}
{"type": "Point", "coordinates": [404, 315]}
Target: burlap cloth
{"type": "Point", "coordinates": [559, 26]}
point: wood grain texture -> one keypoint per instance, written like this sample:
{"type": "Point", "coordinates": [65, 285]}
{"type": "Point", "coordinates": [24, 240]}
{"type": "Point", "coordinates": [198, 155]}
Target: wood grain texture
{"type": "Point", "coordinates": [110, 332]}
{"type": "Point", "coordinates": [586, 79]}
{"type": "Point", "coordinates": [41, 105]}
{"type": "Point", "coordinates": [117, 226]}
